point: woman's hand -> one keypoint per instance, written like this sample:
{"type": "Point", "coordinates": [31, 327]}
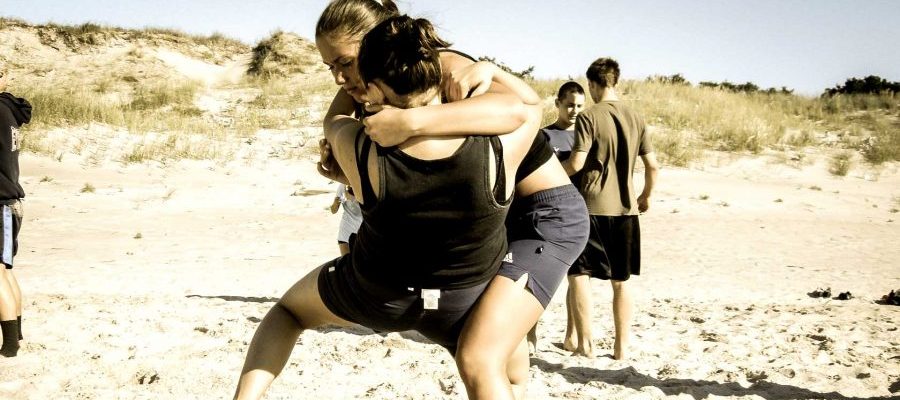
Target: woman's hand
{"type": "Point", "coordinates": [328, 166]}
{"type": "Point", "coordinates": [389, 126]}
{"type": "Point", "coordinates": [469, 81]}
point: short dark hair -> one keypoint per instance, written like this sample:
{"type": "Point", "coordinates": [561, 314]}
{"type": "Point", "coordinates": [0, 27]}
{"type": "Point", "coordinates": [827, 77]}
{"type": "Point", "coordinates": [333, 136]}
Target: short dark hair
{"type": "Point", "coordinates": [569, 87]}
{"type": "Point", "coordinates": [604, 72]}
{"type": "Point", "coordinates": [403, 53]}
{"type": "Point", "coordinates": [351, 19]}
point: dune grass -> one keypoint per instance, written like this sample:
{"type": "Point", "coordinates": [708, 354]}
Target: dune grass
{"type": "Point", "coordinates": [282, 55]}
{"type": "Point", "coordinates": [289, 89]}
{"type": "Point", "coordinates": [685, 120]}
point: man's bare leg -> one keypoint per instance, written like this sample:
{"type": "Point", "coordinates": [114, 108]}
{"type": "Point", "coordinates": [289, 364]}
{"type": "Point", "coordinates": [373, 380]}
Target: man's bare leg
{"type": "Point", "coordinates": [622, 311]}
{"type": "Point", "coordinates": [581, 285]}
{"type": "Point", "coordinates": [570, 340]}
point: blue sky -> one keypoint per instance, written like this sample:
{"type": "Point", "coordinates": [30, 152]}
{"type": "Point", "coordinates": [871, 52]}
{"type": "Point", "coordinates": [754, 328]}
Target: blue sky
{"type": "Point", "coordinates": [808, 45]}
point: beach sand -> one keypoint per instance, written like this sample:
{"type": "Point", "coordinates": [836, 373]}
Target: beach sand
{"type": "Point", "coordinates": [151, 286]}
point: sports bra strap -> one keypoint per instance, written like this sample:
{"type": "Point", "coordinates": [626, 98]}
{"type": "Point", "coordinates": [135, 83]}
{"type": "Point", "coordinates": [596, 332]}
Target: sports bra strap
{"type": "Point", "coordinates": [449, 50]}
{"type": "Point", "coordinates": [363, 146]}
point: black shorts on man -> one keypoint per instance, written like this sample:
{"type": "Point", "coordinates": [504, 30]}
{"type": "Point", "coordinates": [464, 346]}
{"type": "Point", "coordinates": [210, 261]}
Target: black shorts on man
{"type": "Point", "coordinates": [613, 250]}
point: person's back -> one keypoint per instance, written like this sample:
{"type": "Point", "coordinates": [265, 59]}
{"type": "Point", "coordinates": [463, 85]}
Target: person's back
{"type": "Point", "coordinates": [609, 137]}
{"type": "Point", "coordinates": [618, 139]}
{"type": "Point", "coordinates": [433, 207]}
{"type": "Point", "coordinates": [435, 222]}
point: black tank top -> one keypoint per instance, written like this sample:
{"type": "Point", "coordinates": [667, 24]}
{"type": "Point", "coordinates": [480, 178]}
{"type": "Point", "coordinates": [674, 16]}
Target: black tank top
{"type": "Point", "coordinates": [437, 223]}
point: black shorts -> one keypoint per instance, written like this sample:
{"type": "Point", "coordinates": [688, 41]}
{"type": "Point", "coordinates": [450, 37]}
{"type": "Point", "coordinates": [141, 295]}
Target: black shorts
{"type": "Point", "coordinates": [385, 308]}
{"type": "Point", "coordinates": [10, 223]}
{"type": "Point", "coordinates": [613, 250]}
{"type": "Point", "coordinates": [547, 231]}
{"type": "Point", "coordinates": [349, 241]}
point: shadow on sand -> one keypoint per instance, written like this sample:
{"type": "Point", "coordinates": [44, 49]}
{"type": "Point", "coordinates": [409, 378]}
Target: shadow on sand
{"type": "Point", "coordinates": [237, 298]}
{"type": "Point", "coordinates": [355, 329]}
{"type": "Point", "coordinates": [698, 389]}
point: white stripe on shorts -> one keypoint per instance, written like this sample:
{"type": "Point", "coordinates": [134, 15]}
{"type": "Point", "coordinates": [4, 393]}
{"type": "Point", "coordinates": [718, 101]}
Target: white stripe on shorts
{"type": "Point", "coordinates": [7, 235]}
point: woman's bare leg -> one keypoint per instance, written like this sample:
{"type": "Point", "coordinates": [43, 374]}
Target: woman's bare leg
{"type": "Point", "coordinates": [532, 339]}
{"type": "Point", "coordinates": [517, 369]}
{"type": "Point", "coordinates": [300, 308]}
{"type": "Point", "coordinates": [487, 358]}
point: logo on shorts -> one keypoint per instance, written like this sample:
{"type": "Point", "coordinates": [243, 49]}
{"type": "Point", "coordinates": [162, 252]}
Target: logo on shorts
{"type": "Point", "coordinates": [14, 143]}
{"type": "Point", "coordinates": [508, 258]}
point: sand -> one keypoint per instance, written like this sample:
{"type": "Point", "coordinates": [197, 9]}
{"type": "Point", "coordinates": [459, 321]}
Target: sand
{"type": "Point", "coordinates": [151, 286]}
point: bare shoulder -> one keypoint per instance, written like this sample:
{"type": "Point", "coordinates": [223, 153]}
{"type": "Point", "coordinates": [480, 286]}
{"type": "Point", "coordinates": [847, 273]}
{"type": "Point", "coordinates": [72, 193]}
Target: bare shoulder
{"type": "Point", "coordinates": [451, 61]}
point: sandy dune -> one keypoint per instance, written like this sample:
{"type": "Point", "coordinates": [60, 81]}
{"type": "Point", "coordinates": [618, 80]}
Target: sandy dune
{"type": "Point", "coordinates": [151, 286]}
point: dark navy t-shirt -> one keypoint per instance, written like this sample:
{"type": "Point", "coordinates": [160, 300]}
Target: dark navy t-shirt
{"type": "Point", "coordinates": [560, 140]}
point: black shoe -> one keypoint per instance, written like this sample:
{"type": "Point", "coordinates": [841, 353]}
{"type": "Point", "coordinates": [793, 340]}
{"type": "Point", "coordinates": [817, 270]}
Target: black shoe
{"type": "Point", "coordinates": [892, 298]}
{"type": "Point", "coordinates": [819, 292]}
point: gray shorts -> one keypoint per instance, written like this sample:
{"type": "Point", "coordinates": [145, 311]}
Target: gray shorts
{"type": "Point", "coordinates": [10, 223]}
{"type": "Point", "coordinates": [547, 231]}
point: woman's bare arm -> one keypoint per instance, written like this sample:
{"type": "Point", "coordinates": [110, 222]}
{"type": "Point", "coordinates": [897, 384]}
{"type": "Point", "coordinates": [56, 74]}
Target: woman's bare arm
{"type": "Point", "coordinates": [501, 108]}
{"type": "Point", "coordinates": [340, 132]}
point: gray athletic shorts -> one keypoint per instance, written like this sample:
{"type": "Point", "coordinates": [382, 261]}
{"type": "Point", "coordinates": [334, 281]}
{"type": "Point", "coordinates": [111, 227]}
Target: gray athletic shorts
{"type": "Point", "coordinates": [547, 231]}
{"type": "Point", "coordinates": [10, 223]}
{"type": "Point", "coordinates": [385, 308]}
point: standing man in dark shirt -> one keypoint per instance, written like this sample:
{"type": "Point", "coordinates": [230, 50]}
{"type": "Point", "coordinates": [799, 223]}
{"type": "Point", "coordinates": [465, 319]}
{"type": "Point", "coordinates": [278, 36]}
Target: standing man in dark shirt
{"type": "Point", "coordinates": [561, 133]}
{"type": "Point", "coordinates": [14, 112]}
{"type": "Point", "coordinates": [561, 136]}
{"type": "Point", "coordinates": [609, 137]}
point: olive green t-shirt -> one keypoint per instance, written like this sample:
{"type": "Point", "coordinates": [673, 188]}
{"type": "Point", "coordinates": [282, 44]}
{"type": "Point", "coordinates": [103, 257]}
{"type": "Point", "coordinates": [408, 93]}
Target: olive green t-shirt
{"type": "Point", "coordinates": [613, 136]}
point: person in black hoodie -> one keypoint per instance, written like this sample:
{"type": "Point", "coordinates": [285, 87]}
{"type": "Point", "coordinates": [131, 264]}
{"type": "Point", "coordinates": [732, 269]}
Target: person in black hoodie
{"type": "Point", "coordinates": [14, 112]}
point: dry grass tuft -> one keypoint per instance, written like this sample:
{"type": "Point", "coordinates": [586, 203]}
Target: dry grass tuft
{"type": "Point", "coordinates": [283, 54]}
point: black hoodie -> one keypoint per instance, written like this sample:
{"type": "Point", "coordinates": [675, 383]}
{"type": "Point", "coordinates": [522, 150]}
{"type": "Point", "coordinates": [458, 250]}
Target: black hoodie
{"type": "Point", "coordinates": [14, 112]}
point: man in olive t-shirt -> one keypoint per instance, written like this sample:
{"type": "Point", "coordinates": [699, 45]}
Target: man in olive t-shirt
{"type": "Point", "coordinates": [609, 137]}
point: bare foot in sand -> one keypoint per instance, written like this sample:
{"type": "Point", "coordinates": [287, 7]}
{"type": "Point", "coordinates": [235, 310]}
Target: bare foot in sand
{"type": "Point", "coordinates": [584, 350]}
{"type": "Point", "coordinates": [620, 349]}
{"type": "Point", "coordinates": [569, 344]}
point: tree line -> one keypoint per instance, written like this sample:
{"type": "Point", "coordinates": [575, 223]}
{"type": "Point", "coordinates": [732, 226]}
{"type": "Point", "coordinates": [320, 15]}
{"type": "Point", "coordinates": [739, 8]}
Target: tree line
{"type": "Point", "coordinates": [869, 85]}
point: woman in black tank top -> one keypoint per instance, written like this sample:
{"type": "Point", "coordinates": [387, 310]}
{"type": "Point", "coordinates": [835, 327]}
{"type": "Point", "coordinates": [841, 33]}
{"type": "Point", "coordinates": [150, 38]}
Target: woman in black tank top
{"type": "Point", "coordinates": [447, 197]}
{"type": "Point", "coordinates": [549, 208]}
